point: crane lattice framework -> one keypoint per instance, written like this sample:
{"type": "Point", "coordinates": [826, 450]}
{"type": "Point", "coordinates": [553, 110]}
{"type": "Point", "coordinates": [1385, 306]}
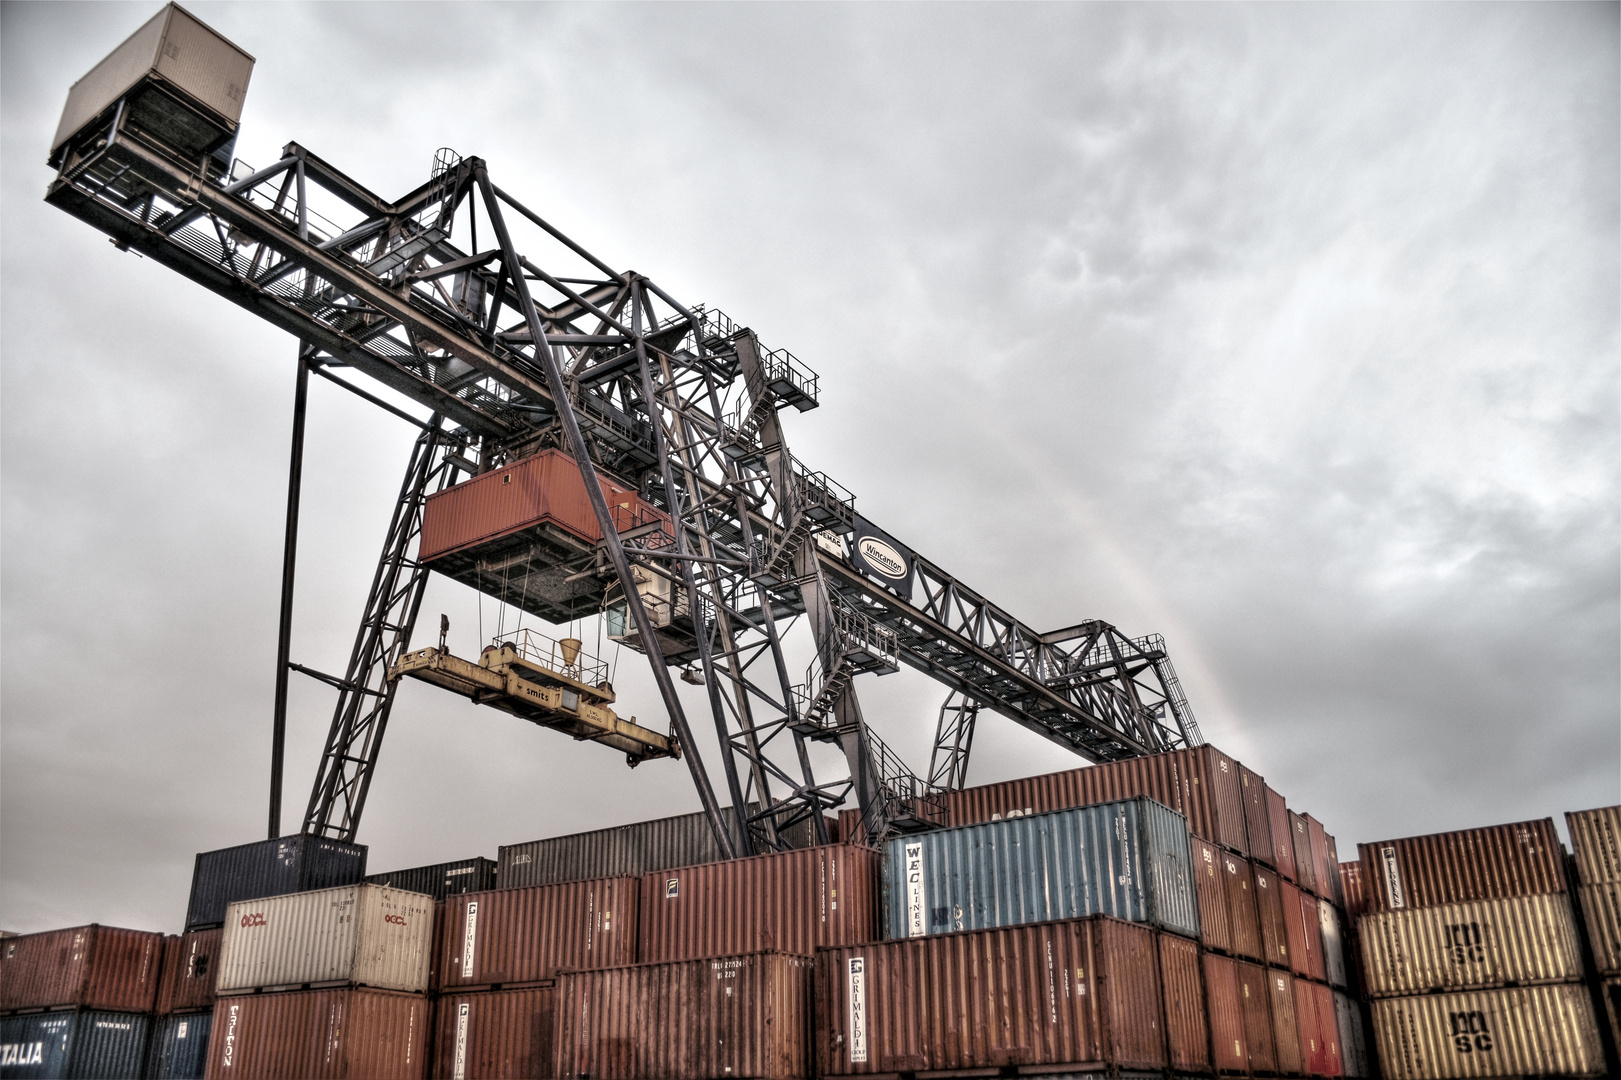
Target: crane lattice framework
{"type": "Point", "coordinates": [517, 341]}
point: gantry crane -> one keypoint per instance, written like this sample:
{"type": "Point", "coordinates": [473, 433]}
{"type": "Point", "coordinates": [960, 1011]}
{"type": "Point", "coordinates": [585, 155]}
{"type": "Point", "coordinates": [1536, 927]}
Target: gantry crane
{"type": "Point", "coordinates": [654, 428]}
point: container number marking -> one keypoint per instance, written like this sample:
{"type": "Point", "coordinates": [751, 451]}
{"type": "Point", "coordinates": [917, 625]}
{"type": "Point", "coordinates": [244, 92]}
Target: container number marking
{"type": "Point", "coordinates": [858, 1009]}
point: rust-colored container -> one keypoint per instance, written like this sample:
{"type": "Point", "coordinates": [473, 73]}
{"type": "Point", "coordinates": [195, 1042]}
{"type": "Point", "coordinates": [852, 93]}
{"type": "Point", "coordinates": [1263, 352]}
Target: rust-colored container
{"type": "Point", "coordinates": [495, 1035]}
{"type": "Point", "coordinates": [1324, 865]}
{"type": "Point", "coordinates": [1352, 882]}
{"type": "Point", "coordinates": [1246, 924]}
{"type": "Point", "coordinates": [1285, 1024]}
{"type": "Point", "coordinates": [1225, 1010]}
{"type": "Point", "coordinates": [1601, 908]}
{"type": "Point", "coordinates": [320, 1035]}
{"type": "Point", "coordinates": [1257, 1007]}
{"type": "Point", "coordinates": [1294, 928]}
{"type": "Point", "coordinates": [1595, 840]}
{"type": "Point", "coordinates": [1305, 865]}
{"type": "Point", "coordinates": [1076, 994]}
{"type": "Point", "coordinates": [1529, 1031]}
{"type": "Point", "coordinates": [1314, 964]}
{"type": "Point", "coordinates": [515, 936]}
{"type": "Point", "coordinates": [86, 967]}
{"type": "Point", "coordinates": [1313, 1054]}
{"type": "Point", "coordinates": [790, 901]}
{"type": "Point", "coordinates": [1269, 910]}
{"type": "Point", "coordinates": [1475, 945]}
{"type": "Point", "coordinates": [1336, 884]}
{"type": "Point", "coordinates": [1187, 1031]}
{"type": "Point", "coordinates": [190, 966]}
{"type": "Point", "coordinates": [740, 1016]}
{"type": "Point", "coordinates": [1330, 1061]}
{"type": "Point", "coordinates": [1257, 823]}
{"type": "Point", "coordinates": [1283, 841]}
{"type": "Point", "coordinates": [1521, 859]}
{"type": "Point", "coordinates": [1210, 887]}
{"type": "Point", "coordinates": [542, 491]}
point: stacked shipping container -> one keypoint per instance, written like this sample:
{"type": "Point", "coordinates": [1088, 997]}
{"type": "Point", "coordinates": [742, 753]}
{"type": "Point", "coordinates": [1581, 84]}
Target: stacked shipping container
{"type": "Point", "coordinates": [1595, 837]}
{"type": "Point", "coordinates": [185, 1012]}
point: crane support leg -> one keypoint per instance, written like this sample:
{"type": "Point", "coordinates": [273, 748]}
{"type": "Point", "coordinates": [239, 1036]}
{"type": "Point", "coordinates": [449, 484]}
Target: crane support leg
{"type": "Point", "coordinates": [289, 559]}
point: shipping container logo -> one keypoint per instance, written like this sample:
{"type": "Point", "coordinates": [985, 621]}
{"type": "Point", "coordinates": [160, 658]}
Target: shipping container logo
{"type": "Point", "coordinates": [672, 888]}
{"type": "Point", "coordinates": [256, 918]}
{"type": "Point", "coordinates": [460, 1069]}
{"type": "Point", "coordinates": [915, 893]}
{"type": "Point", "coordinates": [1470, 1033]}
{"type": "Point", "coordinates": [397, 920]}
{"type": "Point", "coordinates": [858, 1009]}
{"type": "Point", "coordinates": [1464, 943]}
{"type": "Point", "coordinates": [230, 1036]}
{"type": "Point", "coordinates": [1393, 886]}
{"type": "Point", "coordinates": [34, 1054]}
{"type": "Point", "coordinates": [469, 936]}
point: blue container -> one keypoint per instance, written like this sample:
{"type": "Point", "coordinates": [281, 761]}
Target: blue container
{"type": "Point", "coordinates": [179, 1047]}
{"type": "Point", "coordinates": [1129, 859]}
{"type": "Point", "coordinates": [77, 1045]}
{"type": "Point", "coordinates": [291, 864]}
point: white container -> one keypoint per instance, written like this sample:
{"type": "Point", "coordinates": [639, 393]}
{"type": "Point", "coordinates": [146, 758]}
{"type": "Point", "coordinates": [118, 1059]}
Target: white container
{"type": "Point", "coordinates": [356, 935]}
{"type": "Point", "coordinates": [1333, 944]}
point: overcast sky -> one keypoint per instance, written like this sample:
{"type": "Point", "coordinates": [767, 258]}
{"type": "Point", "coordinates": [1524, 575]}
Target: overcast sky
{"type": "Point", "coordinates": [1289, 332]}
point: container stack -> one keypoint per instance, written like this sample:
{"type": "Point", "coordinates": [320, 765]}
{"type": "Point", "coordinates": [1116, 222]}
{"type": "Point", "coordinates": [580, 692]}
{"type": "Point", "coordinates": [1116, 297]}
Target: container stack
{"type": "Point", "coordinates": [327, 983]}
{"type": "Point", "coordinates": [440, 880]}
{"type": "Point", "coordinates": [1595, 836]}
{"type": "Point", "coordinates": [1471, 958]}
{"type": "Point", "coordinates": [185, 1009]}
{"type": "Point", "coordinates": [78, 1002]}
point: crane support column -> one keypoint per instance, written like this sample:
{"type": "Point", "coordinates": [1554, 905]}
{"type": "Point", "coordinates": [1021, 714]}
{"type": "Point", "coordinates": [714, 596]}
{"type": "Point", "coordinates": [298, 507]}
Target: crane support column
{"type": "Point", "coordinates": [289, 559]}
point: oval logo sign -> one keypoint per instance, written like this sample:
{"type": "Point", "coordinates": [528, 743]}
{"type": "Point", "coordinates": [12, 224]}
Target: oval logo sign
{"type": "Point", "coordinates": [883, 558]}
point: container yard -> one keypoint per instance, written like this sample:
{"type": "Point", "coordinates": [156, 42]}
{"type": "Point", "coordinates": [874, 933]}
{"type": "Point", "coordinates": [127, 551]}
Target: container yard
{"type": "Point", "coordinates": [598, 450]}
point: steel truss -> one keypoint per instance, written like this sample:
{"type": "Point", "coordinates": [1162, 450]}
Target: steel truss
{"type": "Point", "coordinates": [513, 350]}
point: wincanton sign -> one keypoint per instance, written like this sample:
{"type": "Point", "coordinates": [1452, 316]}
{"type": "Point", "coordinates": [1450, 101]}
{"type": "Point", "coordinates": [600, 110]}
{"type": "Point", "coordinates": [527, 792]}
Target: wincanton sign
{"type": "Point", "coordinates": [882, 558]}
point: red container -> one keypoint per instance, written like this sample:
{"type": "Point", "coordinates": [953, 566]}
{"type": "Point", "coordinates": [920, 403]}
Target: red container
{"type": "Point", "coordinates": [1225, 1009]}
{"type": "Point", "coordinates": [1269, 908]}
{"type": "Point", "coordinates": [1312, 934]}
{"type": "Point", "coordinates": [1336, 883]}
{"type": "Point", "coordinates": [319, 1035]}
{"type": "Point", "coordinates": [1294, 927]}
{"type": "Point", "coordinates": [190, 965]}
{"type": "Point", "coordinates": [1313, 1054]}
{"type": "Point", "coordinates": [789, 901]}
{"type": "Point", "coordinates": [1351, 882]}
{"type": "Point", "coordinates": [1328, 1030]}
{"type": "Point", "coordinates": [1522, 859]}
{"type": "Point", "coordinates": [1257, 1007]}
{"type": "Point", "coordinates": [1283, 843]}
{"type": "Point", "coordinates": [516, 936]}
{"type": "Point", "coordinates": [1210, 888]}
{"type": "Point", "coordinates": [1246, 924]}
{"type": "Point", "coordinates": [738, 1016]}
{"type": "Point", "coordinates": [1257, 823]}
{"type": "Point", "coordinates": [1285, 1024]}
{"type": "Point", "coordinates": [544, 490]}
{"type": "Point", "coordinates": [496, 1035]}
{"type": "Point", "coordinates": [86, 967]}
{"type": "Point", "coordinates": [1323, 865]}
{"type": "Point", "coordinates": [1077, 994]}
{"type": "Point", "coordinates": [1187, 1031]}
{"type": "Point", "coordinates": [1305, 865]}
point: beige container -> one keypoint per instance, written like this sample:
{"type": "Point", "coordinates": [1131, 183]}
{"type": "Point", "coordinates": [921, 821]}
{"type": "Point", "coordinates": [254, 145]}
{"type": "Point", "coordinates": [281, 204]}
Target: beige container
{"type": "Point", "coordinates": [1601, 908]}
{"type": "Point", "coordinates": [357, 935]}
{"type": "Point", "coordinates": [1482, 943]}
{"type": "Point", "coordinates": [1596, 837]}
{"type": "Point", "coordinates": [1529, 1031]}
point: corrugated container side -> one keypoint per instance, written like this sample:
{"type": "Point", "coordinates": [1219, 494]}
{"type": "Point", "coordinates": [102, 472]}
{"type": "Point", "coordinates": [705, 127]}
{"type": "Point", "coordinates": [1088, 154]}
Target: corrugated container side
{"type": "Point", "coordinates": [441, 879]}
{"type": "Point", "coordinates": [1305, 865]}
{"type": "Point", "coordinates": [1601, 907]}
{"type": "Point", "coordinates": [1257, 823]}
{"type": "Point", "coordinates": [269, 868]}
{"type": "Point", "coordinates": [1610, 991]}
{"type": "Point", "coordinates": [1333, 938]}
{"type": "Point", "coordinates": [1311, 924]}
{"type": "Point", "coordinates": [1332, 1061]}
{"type": "Point", "coordinates": [1336, 883]}
{"type": "Point", "coordinates": [1128, 859]}
{"type": "Point", "coordinates": [1353, 1039]}
{"type": "Point", "coordinates": [1256, 1005]}
{"type": "Point", "coordinates": [82, 1044]}
{"type": "Point", "coordinates": [789, 901]}
{"type": "Point", "coordinates": [499, 1035]}
{"type": "Point", "coordinates": [320, 1035]}
{"type": "Point", "coordinates": [1077, 993]}
{"type": "Point", "coordinates": [1269, 909]}
{"type": "Point", "coordinates": [179, 1049]}
{"type": "Point", "coordinates": [1210, 889]}
{"type": "Point", "coordinates": [1187, 1030]}
{"type": "Point", "coordinates": [190, 966]}
{"type": "Point", "coordinates": [1246, 922]}
{"type": "Point", "coordinates": [87, 967]}
{"type": "Point", "coordinates": [1351, 880]}
{"type": "Point", "coordinates": [623, 851]}
{"type": "Point", "coordinates": [1285, 1024]}
{"type": "Point", "coordinates": [1225, 1008]}
{"type": "Point", "coordinates": [1520, 859]}
{"type": "Point", "coordinates": [359, 935]}
{"type": "Point", "coordinates": [1483, 943]}
{"type": "Point", "coordinates": [1313, 1054]}
{"type": "Point", "coordinates": [1294, 927]}
{"type": "Point", "coordinates": [1595, 840]}
{"type": "Point", "coordinates": [743, 1016]}
{"type": "Point", "coordinates": [526, 935]}
{"type": "Point", "coordinates": [1527, 1031]}
{"type": "Point", "coordinates": [1283, 840]}
{"type": "Point", "coordinates": [1322, 865]}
